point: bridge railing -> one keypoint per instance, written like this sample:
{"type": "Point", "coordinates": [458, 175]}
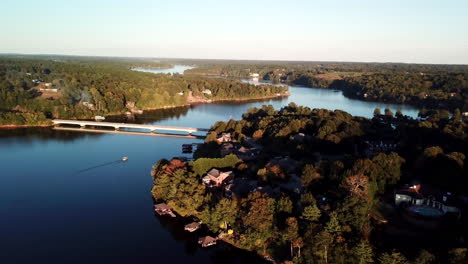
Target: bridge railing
{"type": "Point", "coordinates": [117, 126]}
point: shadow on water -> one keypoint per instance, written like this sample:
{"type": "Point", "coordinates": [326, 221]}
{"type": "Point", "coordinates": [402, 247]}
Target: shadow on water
{"type": "Point", "coordinates": [221, 253]}
{"type": "Point", "coordinates": [99, 166]}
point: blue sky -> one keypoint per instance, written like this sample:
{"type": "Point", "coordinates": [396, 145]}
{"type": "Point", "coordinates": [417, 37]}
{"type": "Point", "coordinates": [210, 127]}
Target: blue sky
{"type": "Point", "coordinates": [366, 30]}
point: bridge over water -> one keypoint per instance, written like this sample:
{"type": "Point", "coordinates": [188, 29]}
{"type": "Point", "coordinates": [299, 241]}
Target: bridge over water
{"type": "Point", "coordinates": [154, 129]}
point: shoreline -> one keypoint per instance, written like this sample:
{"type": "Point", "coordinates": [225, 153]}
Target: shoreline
{"type": "Point", "coordinates": [413, 103]}
{"type": "Point", "coordinates": [10, 127]}
{"type": "Point", "coordinates": [209, 101]}
{"type": "Point", "coordinates": [188, 104]}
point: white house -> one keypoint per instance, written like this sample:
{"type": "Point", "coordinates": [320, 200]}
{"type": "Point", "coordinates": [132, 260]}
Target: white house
{"type": "Point", "coordinates": [207, 91]}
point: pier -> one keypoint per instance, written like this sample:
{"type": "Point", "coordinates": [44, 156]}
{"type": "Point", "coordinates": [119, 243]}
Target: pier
{"type": "Point", "coordinates": [152, 129]}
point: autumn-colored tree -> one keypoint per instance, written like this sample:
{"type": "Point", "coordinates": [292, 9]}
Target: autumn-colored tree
{"type": "Point", "coordinates": [291, 232]}
{"type": "Point", "coordinates": [357, 184]}
{"type": "Point", "coordinates": [260, 212]}
{"type": "Point", "coordinates": [309, 175]}
{"type": "Point", "coordinates": [258, 134]}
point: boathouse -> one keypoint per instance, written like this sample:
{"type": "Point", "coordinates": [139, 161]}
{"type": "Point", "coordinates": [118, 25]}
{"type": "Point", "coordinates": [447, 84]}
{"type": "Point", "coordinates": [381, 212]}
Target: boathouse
{"type": "Point", "coordinates": [192, 226]}
{"type": "Point", "coordinates": [207, 241]}
{"type": "Point", "coordinates": [163, 209]}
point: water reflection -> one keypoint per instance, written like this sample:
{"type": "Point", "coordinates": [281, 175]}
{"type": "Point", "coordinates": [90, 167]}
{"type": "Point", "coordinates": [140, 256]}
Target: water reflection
{"type": "Point", "coordinates": [27, 136]}
{"type": "Point", "coordinates": [105, 213]}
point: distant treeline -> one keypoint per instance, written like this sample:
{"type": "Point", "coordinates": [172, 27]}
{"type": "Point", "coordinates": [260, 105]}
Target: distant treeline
{"type": "Point", "coordinates": [424, 85]}
{"type": "Point", "coordinates": [101, 86]}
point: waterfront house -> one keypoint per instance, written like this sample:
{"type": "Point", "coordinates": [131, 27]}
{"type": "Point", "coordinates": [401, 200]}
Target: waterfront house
{"type": "Point", "coordinates": [192, 227]}
{"type": "Point", "coordinates": [255, 77]}
{"type": "Point", "coordinates": [207, 241]}
{"type": "Point", "coordinates": [163, 209]}
{"type": "Point", "coordinates": [215, 177]}
{"type": "Point", "coordinates": [224, 137]}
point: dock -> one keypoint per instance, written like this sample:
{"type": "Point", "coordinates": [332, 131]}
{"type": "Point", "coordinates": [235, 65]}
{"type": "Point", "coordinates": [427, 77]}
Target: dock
{"type": "Point", "coordinates": [164, 209]}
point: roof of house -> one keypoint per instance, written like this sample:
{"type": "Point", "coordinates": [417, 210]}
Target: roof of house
{"type": "Point", "coordinates": [214, 172]}
{"type": "Point", "coordinates": [243, 149]}
{"type": "Point", "coordinates": [193, 225]}
{"type": "Point", "coordinates": [206, 239]}
{"type": "Point", "coordinates": [162, 206]}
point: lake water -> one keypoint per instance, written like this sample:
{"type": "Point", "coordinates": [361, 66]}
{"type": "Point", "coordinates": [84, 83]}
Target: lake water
{"type": "Point", "coordinates": [66, 198]}
{"type": "Point", "coordinates": [176, 69]}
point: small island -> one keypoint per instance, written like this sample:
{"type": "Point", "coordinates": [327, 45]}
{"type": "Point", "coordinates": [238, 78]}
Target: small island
{"type": "Point", "coordinates": [313, 185]}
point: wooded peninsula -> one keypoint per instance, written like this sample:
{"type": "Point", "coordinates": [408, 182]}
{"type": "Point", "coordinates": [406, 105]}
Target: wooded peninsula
{"type": "Point", "coordinates": [36, 88]}
{"type": "Point", "coordinates": [318, 186]}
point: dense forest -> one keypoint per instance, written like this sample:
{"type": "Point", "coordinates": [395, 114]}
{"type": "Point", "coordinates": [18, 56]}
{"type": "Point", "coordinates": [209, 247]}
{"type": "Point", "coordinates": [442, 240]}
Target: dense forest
{"type": "Point", "coordinates": [340, 208]}
{"type": "Point", "coordinates": [35, 88]}
{"type": "Point", "coordinates": [424, 85]}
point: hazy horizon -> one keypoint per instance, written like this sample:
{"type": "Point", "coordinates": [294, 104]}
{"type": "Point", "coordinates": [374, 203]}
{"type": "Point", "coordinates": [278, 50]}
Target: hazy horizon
{"type": "Point", "coordinates": [222, 59]}
{"type": "Point", "coordinates": [424, 32]}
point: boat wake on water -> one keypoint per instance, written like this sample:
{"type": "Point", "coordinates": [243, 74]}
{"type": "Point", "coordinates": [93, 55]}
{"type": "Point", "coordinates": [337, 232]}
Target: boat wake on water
{"type": "Point", "coordinates": [124, 159]}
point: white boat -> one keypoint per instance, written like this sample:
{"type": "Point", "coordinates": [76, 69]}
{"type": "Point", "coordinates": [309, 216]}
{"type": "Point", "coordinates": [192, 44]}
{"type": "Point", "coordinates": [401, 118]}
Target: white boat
{"type": "Point", "coordinates": [124, 159]}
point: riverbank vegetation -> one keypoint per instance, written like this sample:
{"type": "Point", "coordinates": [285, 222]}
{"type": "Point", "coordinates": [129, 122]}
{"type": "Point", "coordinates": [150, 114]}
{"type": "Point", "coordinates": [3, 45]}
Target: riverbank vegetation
{"type": "Point", "coordinates": [35, 87]}
{"type": "Point", "coordinates": [316, 186]}
{"type": "Point", "coordinates": [426, 86]}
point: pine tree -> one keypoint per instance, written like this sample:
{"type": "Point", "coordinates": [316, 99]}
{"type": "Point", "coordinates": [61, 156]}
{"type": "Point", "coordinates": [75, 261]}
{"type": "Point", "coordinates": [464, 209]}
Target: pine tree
{"type": "Point", "coordinates": [364, 253]}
